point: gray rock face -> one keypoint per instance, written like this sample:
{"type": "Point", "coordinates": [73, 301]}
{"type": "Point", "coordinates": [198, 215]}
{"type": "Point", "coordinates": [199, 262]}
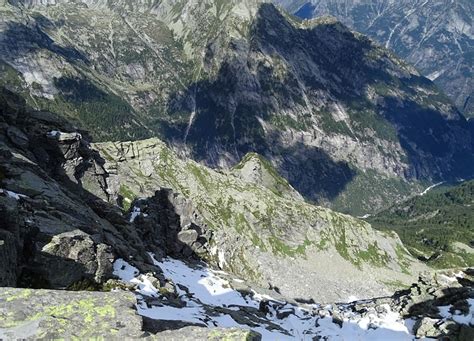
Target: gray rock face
{"type": "Point", "coordinates": [8, 262]}
{"type": "Point", "coordinates": [435, 36]}
{"type": "Point", "coordinates": [194, 333]}
{"type": "Point", "coordinates": [17, 137]}
{"type": "Point", "coordinates": [255, 169]}
{"type": "Point", "coordinates": [53, 233]}
{"type": "Point", "coordinates": [168, 224]}
{"type": "Point", "coordinates": [80, 257]}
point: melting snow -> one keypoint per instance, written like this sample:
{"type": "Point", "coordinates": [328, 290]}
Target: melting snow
{"type": "Point", "coordinates": [135, 213]}
{"type": "Point", "coordinates": [206, 293]}
{"type": "Point", "coordinates": [53, 133]}
{"type": "Point", "coordinates": [458, 316]}
{"type": "Point", "coordinates": [12, 195]}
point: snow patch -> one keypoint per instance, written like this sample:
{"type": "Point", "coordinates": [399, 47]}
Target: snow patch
{"type": "Point", "coordinates": [12, 195]}
{"type": "Point", "coordinates": [210, 301]}
{"type": "Point", "coordinates": [458, 316]}
{"type": "Point", "coordinates": [136, 211]}
{"type": "Point", "coordinates": [435, 75]}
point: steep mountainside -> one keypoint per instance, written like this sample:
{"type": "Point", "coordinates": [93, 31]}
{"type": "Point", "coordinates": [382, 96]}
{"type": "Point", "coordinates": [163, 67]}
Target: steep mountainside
{"type": "Point", "coordinates": [438, 226]}
{"type": "Point", "coordinates": [437, 37]}
{"type": "Point", "coordinates": [63, 228]}
{"type": "Point", "coordinates": [333, 113]}
{"type": "Point", "coordinates": [57, 232]}
{"type": "Point", "coordinates": [262, 234]}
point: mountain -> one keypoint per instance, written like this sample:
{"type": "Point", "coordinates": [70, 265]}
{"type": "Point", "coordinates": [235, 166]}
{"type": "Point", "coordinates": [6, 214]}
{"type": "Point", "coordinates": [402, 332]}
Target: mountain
{"type": "Point", "coordinates": [332, 111]}
{"type": "Point", "coordinates": [92, 217]}
{"type": "Point", "coordinates": [125, 231]}
{"type": "Point", "coordinates": [437, 37]}
{"type": "Point", "coordinates": [62, 201]}
{"type": "Point", "coordinates": [437, 226]}
{"type": "Point", "coordinates": [62, 229]}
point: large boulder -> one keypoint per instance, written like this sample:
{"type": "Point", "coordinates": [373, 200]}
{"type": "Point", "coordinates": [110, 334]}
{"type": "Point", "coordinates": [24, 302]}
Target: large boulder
{"type": "Point", "coordinates": [74, 256]}
{"type": "Point", "coordinates": [44, 314]}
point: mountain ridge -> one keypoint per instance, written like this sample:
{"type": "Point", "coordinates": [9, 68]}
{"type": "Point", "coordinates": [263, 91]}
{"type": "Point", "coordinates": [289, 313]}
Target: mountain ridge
{"type": "Point", "coordinates": [344, 121]}
{"type": "Point", "coordinates": [435, 36]}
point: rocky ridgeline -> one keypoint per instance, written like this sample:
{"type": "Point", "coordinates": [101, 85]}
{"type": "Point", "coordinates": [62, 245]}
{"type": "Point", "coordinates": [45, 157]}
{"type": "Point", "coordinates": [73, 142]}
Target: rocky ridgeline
{"type": "Point", "coordinates": [414, 30]}
{"type": "Point", "coordinates": [54, 233]}
{"type": "Point", "coordinates": [249, 222]}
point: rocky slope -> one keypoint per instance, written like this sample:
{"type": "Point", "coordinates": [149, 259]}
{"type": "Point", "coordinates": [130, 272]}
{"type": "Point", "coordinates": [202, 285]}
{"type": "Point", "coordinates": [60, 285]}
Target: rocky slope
{"type": "Point", "coordinates": [63, 227]}
{"type": "Point", "coordinates": [439, 305]}
{"type": "Point", "coordinates": [62, 199]}
{"type": "Point", "coordinates": [437, 37]}
{"type": "Point", "coordinates": [437, 225]}
{"type": "Point", "coordinates": [258, 233]}
{"type": "Point", "coordinates": [219, 79]}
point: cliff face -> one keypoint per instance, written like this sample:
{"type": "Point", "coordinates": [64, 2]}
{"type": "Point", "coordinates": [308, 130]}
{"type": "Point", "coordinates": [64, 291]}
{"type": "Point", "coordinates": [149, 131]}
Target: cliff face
{"type": "Point", "coordinates": [334, 113]}
{"type": "Point", "coordinates": [435, 36]}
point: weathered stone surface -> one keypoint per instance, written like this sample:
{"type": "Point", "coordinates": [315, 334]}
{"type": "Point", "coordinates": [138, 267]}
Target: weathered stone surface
{"type": "Point", "coordinates": [17, 137]}
{"type": "Point", "coordinates": [44, 314]}
{"type": "Point", "coordinates": [195, 333]}
{"type": "Point", "coordinates": [188, 236]}
{"type": "Point", "coordinates": [426, 327]}
{"type": "Point", "coordinates": [8, 259]}
{"type": "Point", "coordinates": [74, 257]}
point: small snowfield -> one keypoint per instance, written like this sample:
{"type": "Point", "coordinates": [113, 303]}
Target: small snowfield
{"type": "Point", "coordinates": [209, 300]}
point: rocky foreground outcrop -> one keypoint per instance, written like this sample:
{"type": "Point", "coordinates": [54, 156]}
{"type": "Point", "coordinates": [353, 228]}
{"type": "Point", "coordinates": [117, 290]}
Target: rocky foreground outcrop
{"type": "Point", "coordinates": [54, 233]}
{"type": "Point", "coordinates": [28, 314]}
